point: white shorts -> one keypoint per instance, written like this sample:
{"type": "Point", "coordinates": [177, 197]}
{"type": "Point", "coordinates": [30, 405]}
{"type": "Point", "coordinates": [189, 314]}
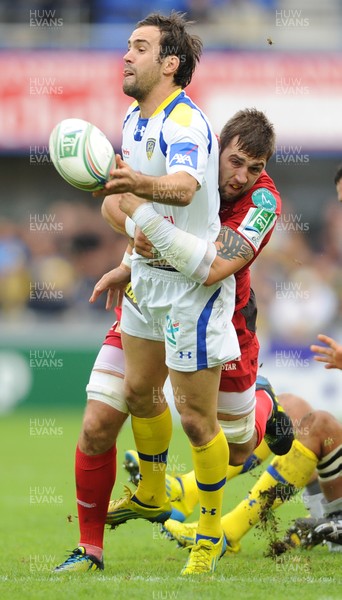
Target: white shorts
{"type": "Point", "coordinates": [194, 321]}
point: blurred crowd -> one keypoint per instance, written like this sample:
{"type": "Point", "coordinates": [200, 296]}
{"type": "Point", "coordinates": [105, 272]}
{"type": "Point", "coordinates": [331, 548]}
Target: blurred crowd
{"type": "Point", "coordinates": [131, 11]}
{"type": "Point", "coordinates": [298, 278]}
{"type": "Point", "coordinates": [50, 262]}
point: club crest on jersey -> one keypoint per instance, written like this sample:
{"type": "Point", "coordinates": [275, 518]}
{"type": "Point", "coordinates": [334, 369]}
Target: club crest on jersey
{"type": "Point", "coordinates": [150, 144]}
{"type": "Point", "coordinates": [184, 153]}
{"type": "Point", "coordinates": [172, 328]}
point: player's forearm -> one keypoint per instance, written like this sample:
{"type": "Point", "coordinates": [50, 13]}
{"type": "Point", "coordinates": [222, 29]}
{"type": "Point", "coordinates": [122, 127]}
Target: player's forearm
{"type": "Point", "coordinates": [115, 217]}
{"type": "Point", "coordinates": [220, 269]}
{"type": "Point", "coordinates": [196, 258]}
{"type": "Point", "coordinates": [233, 253]}
{"type": "Point", "coordinates": [112, 213]}
{"type": "Point", "coordinates": [176, 189]}
{"type": "Point", "coordinates": [184, 251]}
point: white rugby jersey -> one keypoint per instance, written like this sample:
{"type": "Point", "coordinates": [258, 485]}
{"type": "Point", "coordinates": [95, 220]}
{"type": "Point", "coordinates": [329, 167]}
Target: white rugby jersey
{"type": "Point", "coordinates": [177, 137]}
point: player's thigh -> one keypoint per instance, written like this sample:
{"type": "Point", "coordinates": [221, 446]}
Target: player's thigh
{"type": "Point", "coordinates": [196, 391]}
{"type": "Point", "coordinates": [146, 371]}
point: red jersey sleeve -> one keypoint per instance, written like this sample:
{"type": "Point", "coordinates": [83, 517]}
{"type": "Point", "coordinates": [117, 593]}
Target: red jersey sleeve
{"type": "Point", "coordinates": [255, 214]}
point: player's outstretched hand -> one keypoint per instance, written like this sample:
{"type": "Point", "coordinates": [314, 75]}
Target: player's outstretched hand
{"type": "Point", "coordinates": [112, 282]}
{"type": "Point", "coordinates": [122, 179]}
{"type": "Point", "coordinates": [331, 354]}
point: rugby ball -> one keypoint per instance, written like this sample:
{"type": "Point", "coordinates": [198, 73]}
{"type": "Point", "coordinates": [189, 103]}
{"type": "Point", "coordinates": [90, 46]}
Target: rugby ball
{"type": "Point", "coordinates": [81, 153]}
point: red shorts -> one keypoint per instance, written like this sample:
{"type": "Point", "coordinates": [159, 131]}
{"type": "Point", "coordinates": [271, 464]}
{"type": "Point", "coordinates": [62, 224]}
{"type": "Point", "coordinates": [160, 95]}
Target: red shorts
{"type": "Point", "coordinates": [239, 375]}
{"type": "Point", "coordinates": [113, 337]}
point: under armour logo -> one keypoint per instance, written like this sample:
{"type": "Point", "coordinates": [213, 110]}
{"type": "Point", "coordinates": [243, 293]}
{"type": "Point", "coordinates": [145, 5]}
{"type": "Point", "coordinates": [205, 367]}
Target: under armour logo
{"type": "Point", "coordinates": [212, 511]}
{"type": "Point", "coordinates": [139, 132]}
{"type": "Point", "coordinates": [182, 354]}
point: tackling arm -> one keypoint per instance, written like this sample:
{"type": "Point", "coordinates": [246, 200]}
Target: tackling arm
{"type": "Point", "coordinates": [233, 253]}
{"type": "Point", "coordinates": [199, 259]}
{"type": "Point", "coordinates": [116, 218]}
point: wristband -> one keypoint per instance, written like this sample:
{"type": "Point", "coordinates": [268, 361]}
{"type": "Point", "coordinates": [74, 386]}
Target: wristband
{"type": "Point", "coordinates": [126, 260]}
{"type": "Point", "coordinates": [130, 227]}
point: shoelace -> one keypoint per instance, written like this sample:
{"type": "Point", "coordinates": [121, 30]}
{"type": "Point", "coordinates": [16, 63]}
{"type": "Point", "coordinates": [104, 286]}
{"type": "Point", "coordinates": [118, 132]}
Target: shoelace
{"type": "Point", "coordinates": [74, 555]}
{"type": "Point", "coordinates": [127, 493]}
{"type": "Point", "coordinates": [200, 553]}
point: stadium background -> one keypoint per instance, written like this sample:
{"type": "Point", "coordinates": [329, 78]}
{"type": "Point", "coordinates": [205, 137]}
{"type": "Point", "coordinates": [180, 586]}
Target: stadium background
{"type": "Point", "coordinates": [63, 59]}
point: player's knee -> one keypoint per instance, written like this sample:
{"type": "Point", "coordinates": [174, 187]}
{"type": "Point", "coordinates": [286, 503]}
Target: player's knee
{"type": "Point", "coordinates": [142, 399]}
{"type": "Point", "coordinates": [324, 426]}
{"type": "Point", "coordinates": [195, 428]}
{"type": "Point", "coordinates": [319, 426]}
{"type": "Point", "coordinates": [96, 436]}
{"type": "Point", "coordinates": [238, 454]}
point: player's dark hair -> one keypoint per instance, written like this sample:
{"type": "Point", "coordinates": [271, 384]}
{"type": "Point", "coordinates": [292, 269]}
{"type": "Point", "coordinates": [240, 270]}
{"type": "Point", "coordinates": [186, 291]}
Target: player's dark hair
{"type": "Point", "coordinates": [338, 175]}
{"type": "Point", "coordinates": [175, 40]}
{"type": "Point", "coordinates": [256, 133]}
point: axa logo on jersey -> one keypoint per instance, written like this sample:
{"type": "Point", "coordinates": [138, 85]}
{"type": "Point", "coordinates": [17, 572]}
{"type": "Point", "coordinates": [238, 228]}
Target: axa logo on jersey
{"type": "Point", "coordinates": [184, 153]}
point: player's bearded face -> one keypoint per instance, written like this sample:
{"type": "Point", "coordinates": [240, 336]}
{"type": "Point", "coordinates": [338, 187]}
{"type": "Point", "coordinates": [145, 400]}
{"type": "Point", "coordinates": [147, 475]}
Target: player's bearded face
{"type": "Point", "coordinates": [238, 172]}
{"type": "Point", "coordinates": [142, 70]}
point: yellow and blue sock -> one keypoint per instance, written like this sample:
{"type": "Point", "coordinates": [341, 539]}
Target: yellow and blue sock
{"type": "Point", "coordinates": [152, 438]}
{"type": "Point", "coordinates": [282, 478]}
{"type": "Point", "coordinates": [210, 465]}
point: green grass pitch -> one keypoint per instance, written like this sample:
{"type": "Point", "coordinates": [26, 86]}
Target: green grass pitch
{"type": "Point", "coordinates": [38, 527]}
